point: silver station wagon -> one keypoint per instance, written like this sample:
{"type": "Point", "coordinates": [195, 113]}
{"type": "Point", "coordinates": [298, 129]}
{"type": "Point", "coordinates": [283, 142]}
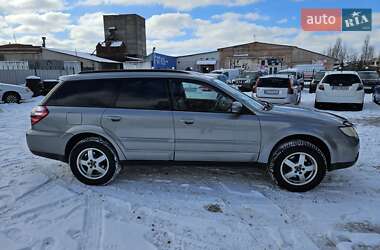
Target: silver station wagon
{"type": "Point", "coordinates": [99, 121]}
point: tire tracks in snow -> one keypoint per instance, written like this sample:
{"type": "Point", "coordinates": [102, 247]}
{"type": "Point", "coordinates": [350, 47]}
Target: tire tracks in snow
{"type": "Point", "coordinates": [92, 231]}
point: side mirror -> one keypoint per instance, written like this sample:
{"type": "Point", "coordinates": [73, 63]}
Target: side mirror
{"type": "Point", "coordinates": [236, 107]}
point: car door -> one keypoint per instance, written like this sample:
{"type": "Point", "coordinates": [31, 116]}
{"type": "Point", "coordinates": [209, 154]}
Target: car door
{"type": "Point", "coordinates": [142, 119]}
{"type": "Point", "coordinates": [205, 127]}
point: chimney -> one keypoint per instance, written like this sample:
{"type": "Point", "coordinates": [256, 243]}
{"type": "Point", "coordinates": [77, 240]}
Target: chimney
{"type": "Point", "coordinates": [43, 41]}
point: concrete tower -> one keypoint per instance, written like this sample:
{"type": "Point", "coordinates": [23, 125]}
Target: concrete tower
{"type": "Point", "coordinates": [129, 29]}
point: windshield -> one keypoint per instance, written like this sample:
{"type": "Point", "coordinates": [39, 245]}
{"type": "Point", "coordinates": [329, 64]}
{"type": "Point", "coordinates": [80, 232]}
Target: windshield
{"type": "Point", "coordinates": [319, 75]}
{"type": "Point", "coordinates": [249, 75]}
{"type": "Point", "coordinates": [368, 75]}
{"type": "Point", "coordinates": [288, 73]}
{"type": "Point", "coordinates": [246, 98]}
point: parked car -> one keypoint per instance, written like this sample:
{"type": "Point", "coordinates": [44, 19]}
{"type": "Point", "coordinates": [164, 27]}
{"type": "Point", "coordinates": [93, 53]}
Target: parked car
{"type": "Point", "coordinates": [309, 70]}
{"type": "Point", "coordinates": [279, 89]}
{"type": "Point", "coordinates": [316, 79]}
{"type": "Point", "coordinates": [340, 87]}
{"type": "Point", "coordinates": [10, 93]}
{"type": "Point", "coordinates": [48, 85]}
{"type": "Point", "coordinates": [247, 80]}
{"type": "Point", "coordinates": [34, 84]}
{"type": "Point", "coordinates": [221, 77]}
{"type": "Point", "coordinates": [230, 73]}
{"type": "Point", "coordinates": [376, 95]}
{"type": "Point", "coordinates": [370, 79]}
{"type": "Point", "coordinates": [295, 73]}
{"type": "Point", "coordinates": [116, 118]}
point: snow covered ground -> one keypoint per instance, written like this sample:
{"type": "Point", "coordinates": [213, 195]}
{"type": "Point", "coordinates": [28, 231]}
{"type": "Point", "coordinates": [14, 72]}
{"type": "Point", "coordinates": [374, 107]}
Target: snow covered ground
{"type": "Point", "coordinates": [160, 207]}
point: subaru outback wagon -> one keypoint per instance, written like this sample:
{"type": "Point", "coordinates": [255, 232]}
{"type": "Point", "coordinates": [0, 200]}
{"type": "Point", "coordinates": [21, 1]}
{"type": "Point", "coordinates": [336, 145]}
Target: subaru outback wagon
{"type": "Point", "coordinates": [98, 121]}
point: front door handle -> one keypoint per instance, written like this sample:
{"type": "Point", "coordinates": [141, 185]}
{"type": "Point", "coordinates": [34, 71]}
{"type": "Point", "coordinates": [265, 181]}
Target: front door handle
{"type": "Point", "coordinates": [114, 118]}
{"type": "Point", "coordinates": [187, 121]}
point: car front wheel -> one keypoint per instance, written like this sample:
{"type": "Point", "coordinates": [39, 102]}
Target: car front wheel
{"type": "Point", "coordinates": [93, 161]}
{"type": "Point", "coordinates": [12, 98]}
{"type": "Point", "coordinates": [298, 166]}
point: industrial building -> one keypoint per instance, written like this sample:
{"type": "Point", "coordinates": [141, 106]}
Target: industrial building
{"type": "Point", "coordinates": [254, 56]}
{"type": "Point", "coordinates": [49, 58]}
{"type": "Point", "coordinates": [270, 57]}
{"type": "Point", "coordinates": [201, 62]}
{"type": "Point", "coordinates": [20, 60]}
{"type": "Point", "coordinates": [124, 38]}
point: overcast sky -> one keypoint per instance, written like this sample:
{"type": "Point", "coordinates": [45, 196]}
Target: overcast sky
{"type": "Point", "coordinates": [177, 27]}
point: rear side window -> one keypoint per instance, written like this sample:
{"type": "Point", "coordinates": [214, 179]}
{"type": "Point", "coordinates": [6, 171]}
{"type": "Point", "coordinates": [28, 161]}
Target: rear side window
{"type": "Point", "coordinates": [144, 93]}
{"type": "Point", "coordinates": [85, 93]}
{"type": "Point", "coordinates": [341, 79]}
{"type": "Point", "coordinates": [273, 82]}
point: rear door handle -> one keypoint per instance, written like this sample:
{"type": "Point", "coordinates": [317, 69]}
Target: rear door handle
{"type": "Point", "coordinates": [187, 121]}
{"type": "Point", "coordinates": [114, 118]}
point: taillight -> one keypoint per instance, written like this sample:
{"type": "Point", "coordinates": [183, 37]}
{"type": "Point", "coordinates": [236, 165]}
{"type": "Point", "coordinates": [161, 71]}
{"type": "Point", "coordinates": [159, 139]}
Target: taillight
{"type": "Point", "coordinates": [38, 113]}
{"type": "Point", "coordinates": [321, 87]}
{"type": "Point", "coordinates": [360, 87]}
{"type": "Point", "coordinates": [255, 86]}
{"type": "Point", "coordinates": [290, 89]}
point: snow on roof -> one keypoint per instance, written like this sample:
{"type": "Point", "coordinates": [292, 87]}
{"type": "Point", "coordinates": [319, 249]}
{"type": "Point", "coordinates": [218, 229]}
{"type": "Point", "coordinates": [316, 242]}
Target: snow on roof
{"type": "Point", "coordinates": [116, 43]}
{"type": "Point", "coordinates": [33, 78]}
{"type": "Point", "coordinates": [83, 55]}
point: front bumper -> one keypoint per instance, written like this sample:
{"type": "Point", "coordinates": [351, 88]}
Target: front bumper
{"type": "Point", "coordinates": [341, 165]}
{"type": "Point", "coordinates": [26, 96]}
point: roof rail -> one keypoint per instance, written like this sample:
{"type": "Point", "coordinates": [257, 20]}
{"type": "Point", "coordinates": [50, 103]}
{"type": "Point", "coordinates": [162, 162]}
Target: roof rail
{"type": "Point", "coordinates": [135, 70]}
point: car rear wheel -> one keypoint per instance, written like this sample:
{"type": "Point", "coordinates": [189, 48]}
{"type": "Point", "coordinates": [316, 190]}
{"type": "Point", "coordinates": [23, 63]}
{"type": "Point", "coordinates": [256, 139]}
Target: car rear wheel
{"type": "Point", "coordinates": [93, 161]}
{"type": "Point", "coordinates": [298, 166]}
{"type": "Point", "coordinates": [11, 98]}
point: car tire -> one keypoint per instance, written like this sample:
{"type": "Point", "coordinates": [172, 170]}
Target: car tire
{"type": "Point", "coordinates": [317, 105]}
{"type": "Point", "coordinates": [359, 107]}
{"type": "Point", "coordinates": [99, 168]}
{"type": "Point", "coordinates": [11, 98]}
{"type": "Point", "coordinates": [298, 166]}
{"type": "Point", "coordinates": [299, 99]}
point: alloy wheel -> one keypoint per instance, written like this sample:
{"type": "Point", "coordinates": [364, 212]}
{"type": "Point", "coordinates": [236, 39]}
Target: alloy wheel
{"type": "Point", "coordinates": [299, 168]}
{"type": "Point", "coordinates": [92, 163]}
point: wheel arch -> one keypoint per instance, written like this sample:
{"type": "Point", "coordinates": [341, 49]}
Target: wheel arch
{"type": "Point", "coordinates": [6, 93]}
{"type": "Point", "coordinates": [80, 136]}
{"type": "Point", "coordinates": [309, 138]}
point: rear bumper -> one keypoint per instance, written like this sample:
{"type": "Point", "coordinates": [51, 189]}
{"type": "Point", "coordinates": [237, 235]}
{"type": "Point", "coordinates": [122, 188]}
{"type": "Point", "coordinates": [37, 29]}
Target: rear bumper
{"type": "Point", "coordinates": [321, 97]}
{"type": "Point", "coordinates": [46, 144]}
{"type": "Point", "coordinates": [287, 100]}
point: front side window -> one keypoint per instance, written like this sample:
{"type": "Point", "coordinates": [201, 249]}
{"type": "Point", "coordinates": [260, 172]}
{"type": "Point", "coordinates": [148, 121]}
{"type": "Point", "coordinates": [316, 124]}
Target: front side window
{"type": "Point", "coordinates": [144, 93]}
{"type": "Point", "coordinates": [194, 96]}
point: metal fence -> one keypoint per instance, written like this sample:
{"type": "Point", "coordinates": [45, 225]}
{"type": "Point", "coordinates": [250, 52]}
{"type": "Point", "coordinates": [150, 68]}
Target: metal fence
{"type": "Point", "coordinates": [18, 76]}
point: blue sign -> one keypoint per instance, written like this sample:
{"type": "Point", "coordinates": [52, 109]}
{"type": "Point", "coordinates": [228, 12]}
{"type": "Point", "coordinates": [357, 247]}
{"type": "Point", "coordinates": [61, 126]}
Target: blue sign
{"type": "Point", "coordinates": [356, 19]}
{"type": "Point", "coordinates": [160, 61]}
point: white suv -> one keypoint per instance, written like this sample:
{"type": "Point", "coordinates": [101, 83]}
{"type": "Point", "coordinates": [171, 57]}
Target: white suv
{"type": "Point", "coordinates": [340, 87]}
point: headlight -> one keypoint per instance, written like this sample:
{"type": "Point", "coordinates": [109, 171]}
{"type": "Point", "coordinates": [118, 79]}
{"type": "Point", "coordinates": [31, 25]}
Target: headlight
{"type": "Point", "coordinates": [349, 131]}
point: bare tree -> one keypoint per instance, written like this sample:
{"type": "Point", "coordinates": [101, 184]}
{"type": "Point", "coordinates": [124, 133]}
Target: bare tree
{"type": "Point", "coordinates": [338, 50]}
{"type": "Point", "coordinates": [368, 51]}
